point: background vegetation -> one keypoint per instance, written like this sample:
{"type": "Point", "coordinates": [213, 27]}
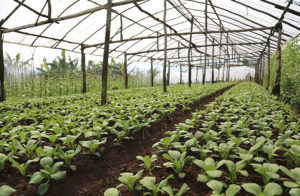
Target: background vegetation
{"type": "Point", "coordinates": [290, 78]}
{"type": "Point", "coordinates": [63, 76]}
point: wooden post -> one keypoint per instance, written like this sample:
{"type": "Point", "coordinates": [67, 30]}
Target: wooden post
{"type": "Point", "coordinates": [213, 63]}
{"type": "Point", "coordinates": [169, 70]}
{"type": "Point", "coordinates": [263, 69]}
{"type": "Point", "coordinates": [2, 88]}
{"type": "Point", "coordinates": [106, 54]}
{"type": "Point", "coordinates": [83, 69]}
{"type": "Point", "coordinates": [180, 74]}
{"type": "Point", "coordinates": [165, 48]}
{"type": "Point", "coordinates": [189, 54]}
{"type": "Point", "coordinates": [121, 27]}
{"type": "Point", "coordinates": [197, 74]}
{"type": "Point", "coordinates": [205, 58]}
{"type": "Point", "coordinates": [276, 88]}
{"type": "Point", "coordinates": [257, 72]}
{"type": "Point", "coordinates": [152, 76]}
{"type": "Point", "coordinates": [269, 67]}
{"type": "Point", "coordinates": [125, 71]}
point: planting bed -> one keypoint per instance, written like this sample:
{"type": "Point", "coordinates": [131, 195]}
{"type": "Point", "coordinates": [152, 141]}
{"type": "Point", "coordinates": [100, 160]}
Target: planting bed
{"type": "Point", "coordinates": [244, 143]}
{"type": "Point", "coordinates": [43, 141]}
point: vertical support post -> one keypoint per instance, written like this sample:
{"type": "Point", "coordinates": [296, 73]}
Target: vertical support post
{"type": "Point", "coordinates": [197, 74]}
{"type": "Point", "coordinates": [106, 54]}
{"type": "Point", "coordinates": [213, 63]}
{"type": "Point", "coordinates": [121, 27]}
{"type": "Point", "coordinates": [178, 50]}
{"type": "Point", "coordinates": [83, 69]}
{"type": "Point", "coordinates": [276, 88]}
{"type": "Point", "coordinates": [260, 68]}
{"type": "Point", "coordinates": [2, 88]}
{"type": "Point", "coordinates": [49, 9]}
{"type": "Point", "coordinates": [228, 59]}
{"type": "Point", "coordinates": [257, 72]}
{"type": "Point", "coordinates": [205, 57]}
{"type": "Point", "coordinates": [169, 70]}
{"type": "Point", "coordinates": [165, 48]}
{"type": "Point", "coordinates": [125, 71]}
{"type": "Point", "coordinates": [220, 53]}
{"type": "Point", "coordinates": [152, 76]}
{"type": "Point", "coordinates": [263, 69]}
{"type": "Point", "coordinates": [269, 67]}
{"type": "Point", "coordinates": [189, 53]}
{"type": "Point", "coordinates": [180, 74]}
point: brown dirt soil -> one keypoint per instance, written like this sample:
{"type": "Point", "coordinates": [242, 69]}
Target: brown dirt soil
{"type": "Point", "coordinates": [94, 175]}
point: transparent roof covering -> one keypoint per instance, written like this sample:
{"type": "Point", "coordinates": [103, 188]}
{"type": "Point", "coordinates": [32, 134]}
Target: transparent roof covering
{"type": "Point", "coordinates": [137, 26]}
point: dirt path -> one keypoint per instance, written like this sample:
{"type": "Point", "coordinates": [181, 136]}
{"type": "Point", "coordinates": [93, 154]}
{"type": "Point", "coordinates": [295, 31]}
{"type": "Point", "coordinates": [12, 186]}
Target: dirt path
{"type": "Point", "coordinates": [95, 175]}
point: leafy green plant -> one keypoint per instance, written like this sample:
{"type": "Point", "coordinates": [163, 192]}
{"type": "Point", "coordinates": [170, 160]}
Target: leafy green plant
{"type": "Point", "coordinates": [93, 145]}
{"type": "Point", "coordinates": [163, 144]}
{"type": "Point", "coordinates": [128, 179]}
{"type": "Point", "coordinates": [22, 167]}
{"type": "Point", "coordinates": [224, 149]}
{"type": "Point", "coordinates": [267, 170]}
{"type": "Point", "coordinates": [111, 192]}
{"type": "Point", "coordinates": [294, 153]}
{"type": "Point", "coordinates": [294, 183]}
{"type": "Point", "coordinates": [149, 183]}
{"type": "Point", "coordinates": [177, 161]}
{"type": "Point", "coordinates": [234, 169]}
{"type": "Point", "coordinates": [218, 186]}
{"type": "Point", "coordinates": [50, 172]}
{"type": "Point", "coordinates": [68, 155]}
{"type": "Point", "coordinates": [210, 167]}
{"type": "Point", "coordinates": [270, 189]}
{"type": "Point", "coordinates": [147, 162]}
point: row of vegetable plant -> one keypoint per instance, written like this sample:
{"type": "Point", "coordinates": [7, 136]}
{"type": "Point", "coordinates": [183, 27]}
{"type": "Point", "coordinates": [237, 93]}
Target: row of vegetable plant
{"type": "Point", "coordinates": [41, 137]}
{"type": "Point", "coordinates": [244, 143]}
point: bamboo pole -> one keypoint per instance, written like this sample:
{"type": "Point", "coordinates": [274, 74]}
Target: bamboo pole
{"type": "Point", "coordinates": [152, 76]}
{"type": "Point", "coordinates": [276, 88]}
{"type": "Point", "coordinates": [213, 64]}
{"type": "Point", "coordinates": [2, 88]}
{"type": "Point", "coordinates": [168, 76]}
{"type": "Point", "coordinates": [106, 54]}
{"type": "Point", "coordinates": [165, 48]}
{"type": "Point", "coordinates": [269, 67]}
{"type": "Point", "coordinates": [83, 69]}
{"type": "Point", "coordinates": [205, 57]}
{"type": "Point", "coordinates": [125, 72]}
{"type": "Point", "coordinates": [180, 74]}
{"type": "Point", "coordinates": [189, 54]}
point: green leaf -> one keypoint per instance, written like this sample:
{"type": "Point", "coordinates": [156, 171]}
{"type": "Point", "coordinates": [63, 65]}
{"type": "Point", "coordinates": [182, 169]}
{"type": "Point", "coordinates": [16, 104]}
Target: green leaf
{"type": "Point", "coordinates": [272, 189]}
{"type": "Point", "coordinates": [37, 177]}
{"type": "Point", "coordinates": [184, 188]}
{"type": "Point", "coordinates": [294, 192]}
{"type": "Point", "coordinates": [252, 188]}
{"type": "Point", "coordinates": [111, 192]}
{"type": "Point", "coordinates": [215, 185]}
{"type": "Point", "coordinates": [290, 184]}
{"type": "Point", "coordinates": [59, 175]}
{"type": "Point", "coordinates": [148, 182]}
{"type": "Point", "coordinates": [46, 161]}
{"type": "Point", "coordinates": [43, 188]}
{"type": "Point", "coordinates": [232, 190]}
{"type": "Point", "coordinates": [214, 173]}
{"type": "Point", "coordinates": [6, 190]}
{"type": "Point", "coordinates": [202, 178]}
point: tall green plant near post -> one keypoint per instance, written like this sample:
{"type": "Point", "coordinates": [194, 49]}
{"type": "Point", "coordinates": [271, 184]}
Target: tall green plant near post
{"type": "Point", "coordinates": [2, 88]}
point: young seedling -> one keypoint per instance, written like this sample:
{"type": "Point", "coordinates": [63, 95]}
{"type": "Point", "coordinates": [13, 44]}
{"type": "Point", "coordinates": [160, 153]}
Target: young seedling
{"type": "Point", "coordinates": [234, 169]}
{"type": "Point", "coordinates": [128, 179]}
{"type": "Point", "coordinates": [93, 145]}
{"type": "Point", "coordinates": [22, 167]}
{"type": "Point", "coordinates": [147, 162]}
{"type": "Point", "coordinates": [267, 170]}
{"type": "Point", "coordinates": [68, 155]}
{"type": "Point", "coordinates": [294, 185]}
{"type": "Point", "coordinates": [218, 186]}
{"type": "Point", "coordinates": [111, 192]}
{"type": "Point", "coordinates": [149, 183]}
{"type": "Point", "coordinates": [50, 172]}
{"type": "Point", "coordinates": [177, 161]}
{"type": "Point", "coordinates": [210, 167]}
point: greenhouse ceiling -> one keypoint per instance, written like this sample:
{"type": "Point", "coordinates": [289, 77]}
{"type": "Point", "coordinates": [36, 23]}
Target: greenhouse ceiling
{"type": "Point", "coordinates": [137, 27]}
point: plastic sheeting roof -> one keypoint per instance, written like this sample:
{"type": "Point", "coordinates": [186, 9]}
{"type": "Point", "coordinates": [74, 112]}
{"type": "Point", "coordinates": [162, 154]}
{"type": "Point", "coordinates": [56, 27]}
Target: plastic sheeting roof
{"type": "Point", "coordinates": [89, 29]}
